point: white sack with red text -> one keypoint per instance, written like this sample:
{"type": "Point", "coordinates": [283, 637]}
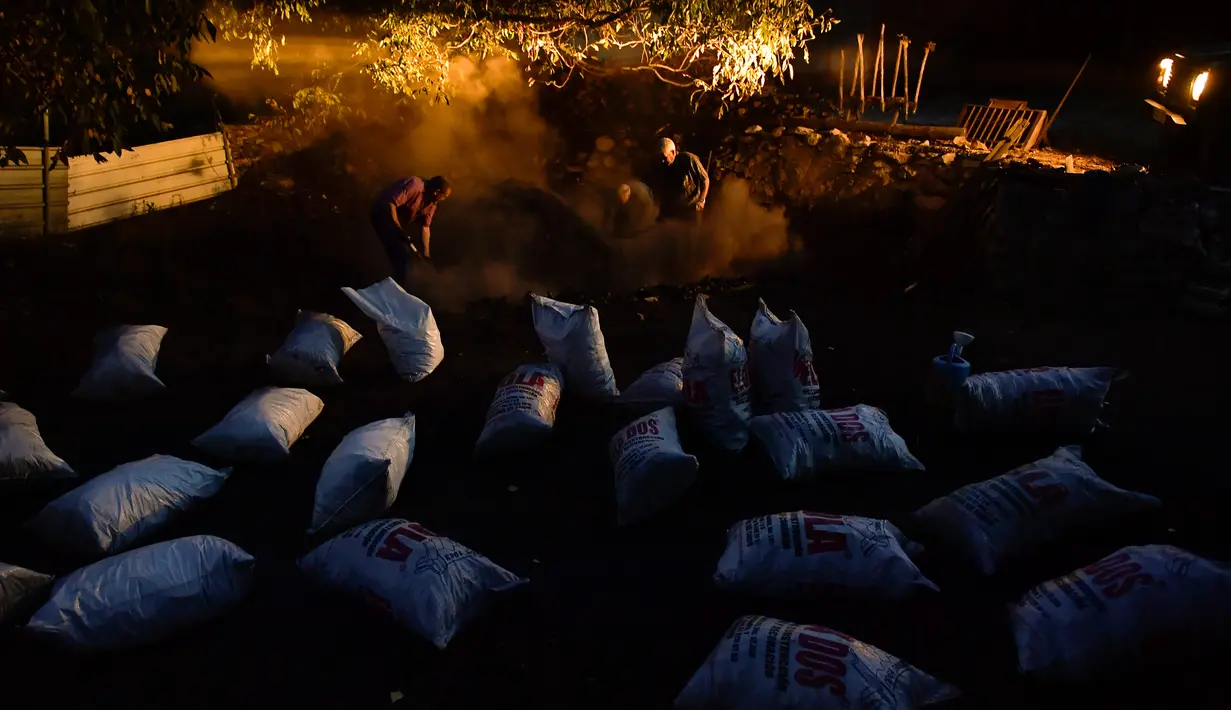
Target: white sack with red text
{"type": "Point", "coordinates": [429, 584]}
{"type": "Point", "coordinates": [803, 445]}
{"type": "Point", "coordinates": [769, 664]}
{"type": "Point", "coordinates": [805, 554]}
{"type": "Point", "coordinates": [1114, 611]}
{"type": "Point", "coordinates": [1022, 511]}
{"type": "Point", "coordinates": [780, 359]}
{"type": "Point", "coordinates": [651, 469]}
{"type": "Point", "coordinates": [716, 387]}
{"type": "Point", "coordinates": [1062, 400]}
{"type": "Point", "coordinates": [523, 411]}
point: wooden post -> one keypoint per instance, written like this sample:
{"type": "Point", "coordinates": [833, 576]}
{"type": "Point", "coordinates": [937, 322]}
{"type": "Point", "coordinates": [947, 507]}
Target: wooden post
{"type": "Point", "coordinates": [897, 66]}
{"type": "Point", "coordinates": [927, 49]}
{"type": "Point", "coordinates": [906, 77]}
{"type": "Point", "coordinates": [46, 174]}
{"type": "Point", "coordinates": [841, 79]}
{"type": "Point", "coordinates": [226, 146]}
{"type": "Point", "coordinates": [1055, 113]}
{"type": "Point", "coordinates": [862, 74]}
{"type": "Point", "coordinates": [858, 61]}
{"type": "Point", "coordinates": [226, 150]}
{"type": "Point", "coordinates": [879, 71]}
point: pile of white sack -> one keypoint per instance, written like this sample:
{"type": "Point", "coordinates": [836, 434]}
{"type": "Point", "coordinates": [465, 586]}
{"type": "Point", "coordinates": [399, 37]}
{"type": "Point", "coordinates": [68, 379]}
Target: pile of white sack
{"type": "Point", "coordinates": [136, 583]}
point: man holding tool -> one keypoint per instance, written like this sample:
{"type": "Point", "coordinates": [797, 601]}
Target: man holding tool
{"type": "Point", "coordinates": [402, 215]}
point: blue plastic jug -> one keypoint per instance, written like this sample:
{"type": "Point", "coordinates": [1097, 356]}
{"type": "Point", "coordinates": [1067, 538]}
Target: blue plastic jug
{"type": "Point", "coordinates": [949, 371]}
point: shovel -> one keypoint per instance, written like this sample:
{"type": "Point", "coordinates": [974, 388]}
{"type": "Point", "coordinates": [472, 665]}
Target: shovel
{"type": "Point", "coordinates": [415, 250]}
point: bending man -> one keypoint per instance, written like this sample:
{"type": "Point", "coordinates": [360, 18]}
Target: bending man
{"type": "Point", "coordinates": [402, 215]}
{"type": "Point", "coordinates": [683, 184]}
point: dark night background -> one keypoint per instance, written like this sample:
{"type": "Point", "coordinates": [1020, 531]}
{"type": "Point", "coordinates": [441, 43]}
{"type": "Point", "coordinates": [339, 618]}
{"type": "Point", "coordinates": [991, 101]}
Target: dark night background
{"type": "Point", "coordinates": [1039, 41]}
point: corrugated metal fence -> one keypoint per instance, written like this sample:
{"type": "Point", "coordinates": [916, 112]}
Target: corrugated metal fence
{"type": "Point", "coordinates": [21, 195]}
{"type": "Point", "coordinates": [87, 193]}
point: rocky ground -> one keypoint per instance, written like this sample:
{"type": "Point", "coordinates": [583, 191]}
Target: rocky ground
{"type": "Point", "coordinates": [900, 243]}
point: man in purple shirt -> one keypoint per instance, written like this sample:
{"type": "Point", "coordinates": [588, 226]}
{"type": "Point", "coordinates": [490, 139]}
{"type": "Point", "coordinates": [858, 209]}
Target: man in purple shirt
{"type": "Point", "coordinates": [403, 214]}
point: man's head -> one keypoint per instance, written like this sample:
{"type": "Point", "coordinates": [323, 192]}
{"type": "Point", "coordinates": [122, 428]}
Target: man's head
{"type": "Point", "coordinates": [667, 151]}
{"type": "Point", "coordinates": [624, 192]}
{"type": "Point", "coordinates": [437, 189]}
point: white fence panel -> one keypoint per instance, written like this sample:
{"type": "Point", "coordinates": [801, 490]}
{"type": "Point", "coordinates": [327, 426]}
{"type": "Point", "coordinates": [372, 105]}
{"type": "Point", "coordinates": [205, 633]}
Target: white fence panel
{"type": "Point", "coordinates": [151, 177]}
{"type": "Point", "coordinates": [21, 195]}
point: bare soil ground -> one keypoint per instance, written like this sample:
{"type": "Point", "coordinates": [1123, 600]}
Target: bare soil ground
{"type": "Point", "coordinates": [612, 618]}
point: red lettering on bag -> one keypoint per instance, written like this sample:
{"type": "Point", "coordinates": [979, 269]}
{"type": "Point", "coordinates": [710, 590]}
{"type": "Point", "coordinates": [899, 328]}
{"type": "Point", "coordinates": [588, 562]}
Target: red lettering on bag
{"type": "Point", "coordinates": [654, 427]}
{"type": "Point", "coordinates": [739, 379]}
{"type": "Point", "coordinates": [1049, 493]}
{"type": "Point", "coordinates": [1117, 575]}
{"type": "Point", "coordinates": [822, 541]}
{"type": "Point", "coordinates": [536, 380]}
{"type": "Point", "coordinates": [695, 393]}
{"type": "Point", "coordinates": [849, 425]}
{"type": "Point", "coordinates": [821, 660]}
{"type": "Point", "coordinates": [804, 372]}
{"type": "Point", "coordinates": [395, 547]}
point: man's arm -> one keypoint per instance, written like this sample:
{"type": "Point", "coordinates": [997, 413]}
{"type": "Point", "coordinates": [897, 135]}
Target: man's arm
{"type": "Point", "coordinates": [704, 178]}
{"type": "Point", "coordinates": [425, 233]}
{"type": "Point", "coordinates": [393, 214]}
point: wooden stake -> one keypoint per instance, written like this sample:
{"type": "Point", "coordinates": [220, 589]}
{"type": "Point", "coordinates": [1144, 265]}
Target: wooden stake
{"type": "Point", "coordinates": [855, 75]}
{"type": "Point", "coordinates": [927, 49]}
{"type": "Point", "coordinates": [897, 65]}
{"type": "Point", "coordinates": [862, 96]}
{"type": "Point", "coordinates": [879, 71]}
{"type": "Point", "coordinates": [841, 78]}
{"type": "Point", "coordinates": [906, 76]}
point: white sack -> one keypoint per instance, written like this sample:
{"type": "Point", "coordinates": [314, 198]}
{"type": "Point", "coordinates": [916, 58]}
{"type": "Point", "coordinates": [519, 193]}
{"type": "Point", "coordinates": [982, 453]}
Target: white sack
{"type": "Point", "coordinates": [1054, 399]}
{"type": "Point", "coordinates": [780, 359]}
{"type": "Point", "coordinates": [263, 426]}
{"type": "Point", "coordinates": [716, 385]}
{"type": "Point", "coordinates": [659, 386]}
{"type": "Point", "coordinates": [651, 469]}
{"type": "Point", "coordinates": [430, 585]}
{"type": "Point", "coordinates": [574, 343]}
{"type": "Point", "coordinates": [362, 476]}
{"type": "Point", "coordinates": [768, 664]}
{"type": "Point", "coordinates": [310, 355]}
{"type": "Point", "coordinates": [805, 554]}
{"type": "Point", "coordinates": [406, 325]}
{"type": "Point", "coordinates": [122, 508]}
{"type": "Point", "coordinates": [146, 594]}
{"type": "Point", "coordinates": [523, 410]}
{"type": "Point", "coordinates": [1024, 510]}
{"type": "Point", "coordinates": [23, 453]}
{"type": "Point", "coordinates": [19, 589]}
{"type": "Point", "coordinates": [125, 359]}
{"type": "Point", "coordinates": [1104, 615]}
{"type": "Point", "coordinates": [803, 445]}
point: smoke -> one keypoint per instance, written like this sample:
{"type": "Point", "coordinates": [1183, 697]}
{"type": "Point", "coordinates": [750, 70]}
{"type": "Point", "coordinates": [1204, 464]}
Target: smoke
{"type": "Point", "coordinates": [736, 236]}
{"type": "Point", "coordinates": [504, 231]}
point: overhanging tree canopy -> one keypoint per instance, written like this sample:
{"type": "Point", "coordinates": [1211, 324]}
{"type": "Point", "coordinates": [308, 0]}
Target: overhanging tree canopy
{"type": "Point", "coordinates": [99, 67]}
{"type": "Point", "coordinates": [102, 65]}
